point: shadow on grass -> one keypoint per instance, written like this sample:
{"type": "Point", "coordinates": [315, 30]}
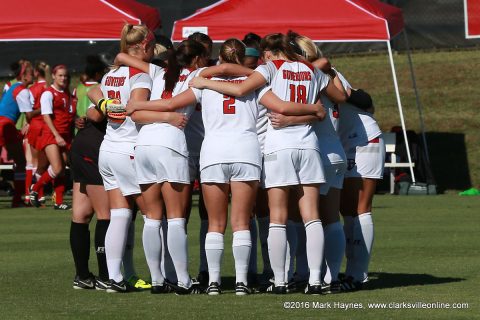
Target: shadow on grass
{"type": "Point", "coordinates": [384, 280]}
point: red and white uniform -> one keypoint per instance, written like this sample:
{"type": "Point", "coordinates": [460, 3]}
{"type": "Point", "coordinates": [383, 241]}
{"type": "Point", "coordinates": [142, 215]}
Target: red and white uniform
{"type": "Point", "coordinates": [161, 149]}
{"type": "Point", "coordinates": [36, 124]}
{"type": "Point", "coordinates": [116, 160]}
{"type": "Point", "coordinates": [14, 101]}
{"type": "Point", "coordinates": [230, 129]}
{"type": "Point", "coordinates": [292, 153]}
{"type": "Point", "coordinates": [60, 105]}
{"type": "Point", "coordinates": [362, 141]}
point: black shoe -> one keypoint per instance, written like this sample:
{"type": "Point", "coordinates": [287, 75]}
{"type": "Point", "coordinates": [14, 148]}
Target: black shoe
{"type": "Point", "coordinates": [241, 289]}
{"type": "Point", "coordinates": [276, 289]}
{"type": "Point", "coordinates": [100, 284]}
{"type": "Point", "coordinates": [349, 284]}
{"type": "Point", "coordinates": [87, 283]}
{"type": "Point", "coordinates": [34, 197]}
{"type": "Point", "coordinates": [181, 289]}
{"type": "Point", "coordinates": [159, 289]}
{"type": "Point", "coordinates": [61, 206]}
{"type": "Point", "coordinates": [213, 289]}
{"type": "Point", "coordinates": [313, 289]}
{"type": "Point", "coordinates": [252, 279]}
{"type": "Point", "coordinates": [117, 287]}
{"type": "Point", "coordinates": [203, 278]}
{"type": "Point", "coordinates": [334, 287]}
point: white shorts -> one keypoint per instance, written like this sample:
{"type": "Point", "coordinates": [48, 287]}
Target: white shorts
{"type": "Point", "coordinates": [118, 171]}
{"type": "Point", "coordinates": [293, 167]}
{"type": "Point", "coordinates": [157, 164]}
{"type": "Point", "coordinates": [366, 161]}
{"type": "Point", "coordinates": [194, 167]}
{"type": "Point", "coordinates": [334, 174]}
{"type": "Point", "coordinates": [226, 172]}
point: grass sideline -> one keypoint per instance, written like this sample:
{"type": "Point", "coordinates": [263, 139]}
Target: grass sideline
{"type": "Point", "coordinates": [426, 250]}
{"type": "Point", "coordinates": [448, 90]}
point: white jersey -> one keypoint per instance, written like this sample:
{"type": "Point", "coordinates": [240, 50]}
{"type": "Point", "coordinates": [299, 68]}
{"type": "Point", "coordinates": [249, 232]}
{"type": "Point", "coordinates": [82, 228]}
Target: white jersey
{"type": "Point", "coordinates": [119, 84]}
{"type": "Point", "coordinates": [291, 81]}
{"type": "Point", "coordinates": [356, 126]}
{"type": "Point", "coordinates": [164, 134]}
{"type": "Point", "coordinates": [262, 124]}
{"type": "Point", "coordinates": [230, 126]}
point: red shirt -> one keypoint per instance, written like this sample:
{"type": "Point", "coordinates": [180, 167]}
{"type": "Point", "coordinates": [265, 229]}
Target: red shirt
{"type": "Point", "coordinates": [63, 109]}
{"type": "Point", "coordinates": [37, 89]}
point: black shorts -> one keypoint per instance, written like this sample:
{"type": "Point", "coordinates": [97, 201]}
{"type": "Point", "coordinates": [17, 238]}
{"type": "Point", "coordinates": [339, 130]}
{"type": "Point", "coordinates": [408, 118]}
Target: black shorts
{"type": "Point", "coordinates": [85, 170]}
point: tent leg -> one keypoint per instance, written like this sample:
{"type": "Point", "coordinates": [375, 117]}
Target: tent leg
{"type": "Point", "coordinates": [417, 95]}
{"type": "Point", "coordinates": [400, 110]}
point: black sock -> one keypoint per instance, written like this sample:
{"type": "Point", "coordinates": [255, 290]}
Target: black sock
{"type": "Point", "coordinates": [100, 232]}
{"type": "Point", "coordinates": [80, 245]}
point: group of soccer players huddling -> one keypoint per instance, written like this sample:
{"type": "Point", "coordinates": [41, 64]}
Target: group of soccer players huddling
{"type": "Point", "coordinates": [271, 128]}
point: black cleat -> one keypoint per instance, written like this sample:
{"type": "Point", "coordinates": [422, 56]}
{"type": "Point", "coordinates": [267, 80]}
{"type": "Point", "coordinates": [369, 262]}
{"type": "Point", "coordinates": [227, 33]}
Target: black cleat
{"type": "Point", "coordinates": [34, 201]}
{"type": "Point", "coordinates": [334, 287]}
{"type": "Point", "coordinates": [88, 283]}
{"type": "Point", "coordinates": [180, 289]}
{"type": "Point", "coordinates": [160, 289]}
{"type": "Point", "coordinates": [213, 289]}
{"type": "Point", "coordinates": [349, 284]}
{"type": "Point", "coordinates": [117, 287]}
{"type": "Point", "coordinates": [100, 284]}
{"type": "Point", "coordinates": [276, 289]}
{"type": "Point", "coordinates": [313, 289]}
{"type": "Point", "coordinates": [61, 206]}
{"type": "Point", "coordinates": [242, 289]}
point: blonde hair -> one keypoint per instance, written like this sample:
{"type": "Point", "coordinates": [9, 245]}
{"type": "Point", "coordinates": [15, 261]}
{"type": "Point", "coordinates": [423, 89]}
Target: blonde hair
{"type": "Point", "coordinates": [132, 35]}
{"type": "Point", "coordinates": [43, 69]}
{"type": "Point", "coordinates": [309, 50]}
{"type": "Point", "coordinates": [233, 51]}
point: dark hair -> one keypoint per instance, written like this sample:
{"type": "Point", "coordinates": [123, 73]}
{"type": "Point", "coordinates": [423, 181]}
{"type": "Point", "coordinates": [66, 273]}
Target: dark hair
{"type": "Point", "coordinates": [292, 41]}
{"type": "Point", "coordinates": [203, 39]}
{"type": "Point", "coordinates": [232, 51]}
{"type": "Point", "coordinates": [42, 68]}
{"type": "Point", "coordinates": [180, 58]}
{"type": "Point", "coordinates": [252, 40]}
{"type": "Point", "coordinates": [16, 67]}
{"type": "Point", "coordinates": [94, 66]}
{"type": "Point", "coordinates": [360, 99]}
{"type": "Point", "coordinates": [278, 43]}
{"type": "Point", "coordinates": [164, 41]}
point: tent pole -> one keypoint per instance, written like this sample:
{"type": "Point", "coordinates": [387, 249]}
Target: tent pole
{"type": "Point", "coordinates": [400, 110]}
{"type": "Point", "coordinates": [417, 95]}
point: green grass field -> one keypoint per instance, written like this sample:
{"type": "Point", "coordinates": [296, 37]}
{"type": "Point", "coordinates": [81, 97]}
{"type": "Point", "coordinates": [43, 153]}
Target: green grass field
{"type": "Point", "coordinates": [426, 250]}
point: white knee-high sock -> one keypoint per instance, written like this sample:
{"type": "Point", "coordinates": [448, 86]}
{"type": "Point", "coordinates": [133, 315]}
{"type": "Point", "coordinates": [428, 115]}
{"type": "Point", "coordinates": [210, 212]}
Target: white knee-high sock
{"type": "Point", "coordinates": [115, 240]}
{"type": "Point", "coordinates": [128, 265]}
{"type": "Point", "coordinates": [168, 269]}
{"type": "Point", "coordinates": [252, 265]}
{"type": "Point", "coordinates": [315, 241]}
{"type": "Point", "coordinates": [348, 231]}
{"type": "Point", "coordinates": [301, 261]}
{"type": "Point", "coordinates": [203, 258]}
{"type": "Point", "coordinates": [334, 248]}
{"type": "Point", "coordinates": [363, 243]}
{"type": "Point", "coordinates": [241, 247]}
{"type": "Point", "coordinates": [178, 248]}
{"type": "Point", "coordinates": [263, 225]}
{"type": "Point", "coordinates": [277, 251]}
{"type": "Point", "coordinates": [292, 242]}
{"type": "Point", "coordinates": [214, 247]}
{"type": "Point", "coordinates": [152, 245]}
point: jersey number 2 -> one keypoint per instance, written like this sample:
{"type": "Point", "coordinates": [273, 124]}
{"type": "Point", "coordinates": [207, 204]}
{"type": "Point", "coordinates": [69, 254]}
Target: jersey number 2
{"type": "Point", "coordinates": [228, 104]}
{"type": "Point", "coordinates": [298, 93]}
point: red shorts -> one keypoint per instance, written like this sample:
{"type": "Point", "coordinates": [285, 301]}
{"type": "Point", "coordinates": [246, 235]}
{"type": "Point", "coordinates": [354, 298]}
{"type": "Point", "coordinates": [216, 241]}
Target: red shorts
{"type": "Point", "coordinates": [8, 132]}
{"type": "Point", "coordinates": [47, 138]}
{"type": "Point", "coordinates": [34, 133]}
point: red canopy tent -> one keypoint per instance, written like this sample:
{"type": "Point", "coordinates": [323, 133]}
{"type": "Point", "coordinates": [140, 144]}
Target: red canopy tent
{"type": "Point", "coordinates": [341, 20]}
{"type": "Point", "coordinates": [320, 20]}
{"type": "Point", "coordinates": [472, 19]}
{"type": "Point", "coordinates": [59, 20]}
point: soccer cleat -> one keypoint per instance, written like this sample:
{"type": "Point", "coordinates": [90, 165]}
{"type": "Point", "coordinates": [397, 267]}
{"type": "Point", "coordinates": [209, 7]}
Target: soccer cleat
{"type": "Point", "coordinates": [62, 206]}
{"type": "Point", "coordinates": [241, 289]}
{"type": "Point", "coordinates": [87, 283]}
{"type": "Point", "coordinates": [213, 289]}
{"type": "Point", "coordinates": [116, 287]}
{"type": "Point", "coordinates": [159, 289]}
{"type": "Point", "coordinates": [181, 289]}
{"type": "Point", "coordinates": [349, 284]}
{"type": "Point", "coordinates": [335, 287]}
{"type": "Point", "coordinates": [34, 197]}
{"type": "Point", "coordinates": [138, 283]}
{"type": "Point", "coordinates": [276, 289]}
{"type": "Point", "coordinates": [313, 289]}
{"type": "Point", "coordinates": [100, 284]}
{"type": "Point", "coordinates": [42, 200]}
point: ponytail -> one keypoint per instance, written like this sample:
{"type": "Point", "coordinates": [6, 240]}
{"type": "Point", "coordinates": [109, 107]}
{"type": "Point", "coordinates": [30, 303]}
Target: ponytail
{"type": "Point", "coordinates": [278, 43]}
